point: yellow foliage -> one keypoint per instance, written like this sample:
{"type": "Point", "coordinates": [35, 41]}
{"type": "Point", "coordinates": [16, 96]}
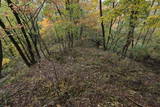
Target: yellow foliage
{"type": "Point", "coordinates": [155, 7]}
{"type": "Point", "coordinates": [59, 21]}
{"type": "Point", "coordinates": [95, 2]}
{"type": "Point", "coordinates": [45, 22]}
{"type": "Point", "coordinates": [89, 5]}
{"type": "Point", "coordinates": [154, 17]}
{"type": "Point", "coordinates": [5, 61]}
{"type": "Point", "coordinates": [45, 25]}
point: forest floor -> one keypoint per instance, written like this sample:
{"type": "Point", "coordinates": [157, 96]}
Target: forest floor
{"type": "Point", "coordinates": [83, 77]}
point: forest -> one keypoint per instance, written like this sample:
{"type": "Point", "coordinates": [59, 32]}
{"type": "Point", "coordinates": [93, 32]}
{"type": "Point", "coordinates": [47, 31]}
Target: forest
{"type": "Point", "coordinates": [79, 53]}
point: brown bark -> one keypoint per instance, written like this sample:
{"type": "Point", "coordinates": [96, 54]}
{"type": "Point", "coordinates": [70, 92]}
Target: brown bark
{"type": "Point", "coordinates": [15, 44]}
{"type": "Point", "coordinates": [10, 4]}
{"type": "Point", "coordinates": [102, 25]}
{"type": "Point", "coordinates": [1, 58]}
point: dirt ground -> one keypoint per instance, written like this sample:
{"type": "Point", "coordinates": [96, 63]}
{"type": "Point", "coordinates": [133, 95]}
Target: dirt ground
{"type": "Point", "coordinates": [83, 78]}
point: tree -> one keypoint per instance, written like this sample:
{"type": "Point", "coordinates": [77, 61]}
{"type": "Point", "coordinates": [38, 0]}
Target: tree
{"type": "Point", "coordinates": [29, 45]}
{"type": "Point", "coordinates": [1, 58]}
{"type": "Point", "coordinates": [102, 25]}
{"type": "Point", "coordinates": [15, 43]}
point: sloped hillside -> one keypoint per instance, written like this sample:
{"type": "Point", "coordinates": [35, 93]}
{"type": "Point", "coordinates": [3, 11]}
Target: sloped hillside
{"type": "Point", "coordinates": [83, 77]}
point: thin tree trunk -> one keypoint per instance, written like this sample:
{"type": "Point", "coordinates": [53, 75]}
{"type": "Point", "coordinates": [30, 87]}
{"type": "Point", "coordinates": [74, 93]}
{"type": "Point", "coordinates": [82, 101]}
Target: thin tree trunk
{"type": "Point", "coordinates": [10, 4]}
{"type": "Point", "coordinates": [130, 36]}
{"type": "Point", "coordinates": [1, 58]}
{"type": "Point", "coordinates": [102, 25]}
{"type": "Point", "coordinates": [110, 36]}
{"type": "Point", "coordinates": [15, 44]}
{"type": "Point", "coordinates": [19, 40]}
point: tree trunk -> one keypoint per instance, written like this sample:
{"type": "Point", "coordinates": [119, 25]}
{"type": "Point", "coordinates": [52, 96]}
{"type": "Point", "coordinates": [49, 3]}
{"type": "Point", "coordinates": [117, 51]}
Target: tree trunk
{"type": "Point", "coordinates": [130, 36]}
{"type": "Point", "coordinates": [15, 44]}
{"type": "Point", "coordinates": [10, 4]}
{"type": "Point", "coordinates": [102, 25]}
{"type": "Point", "coordinates": [1, 58]}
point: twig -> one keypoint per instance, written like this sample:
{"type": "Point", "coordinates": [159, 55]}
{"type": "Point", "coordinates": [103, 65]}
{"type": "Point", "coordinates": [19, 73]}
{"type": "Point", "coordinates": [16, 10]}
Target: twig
{"type": "Point", "coordinates": [139, 105]}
